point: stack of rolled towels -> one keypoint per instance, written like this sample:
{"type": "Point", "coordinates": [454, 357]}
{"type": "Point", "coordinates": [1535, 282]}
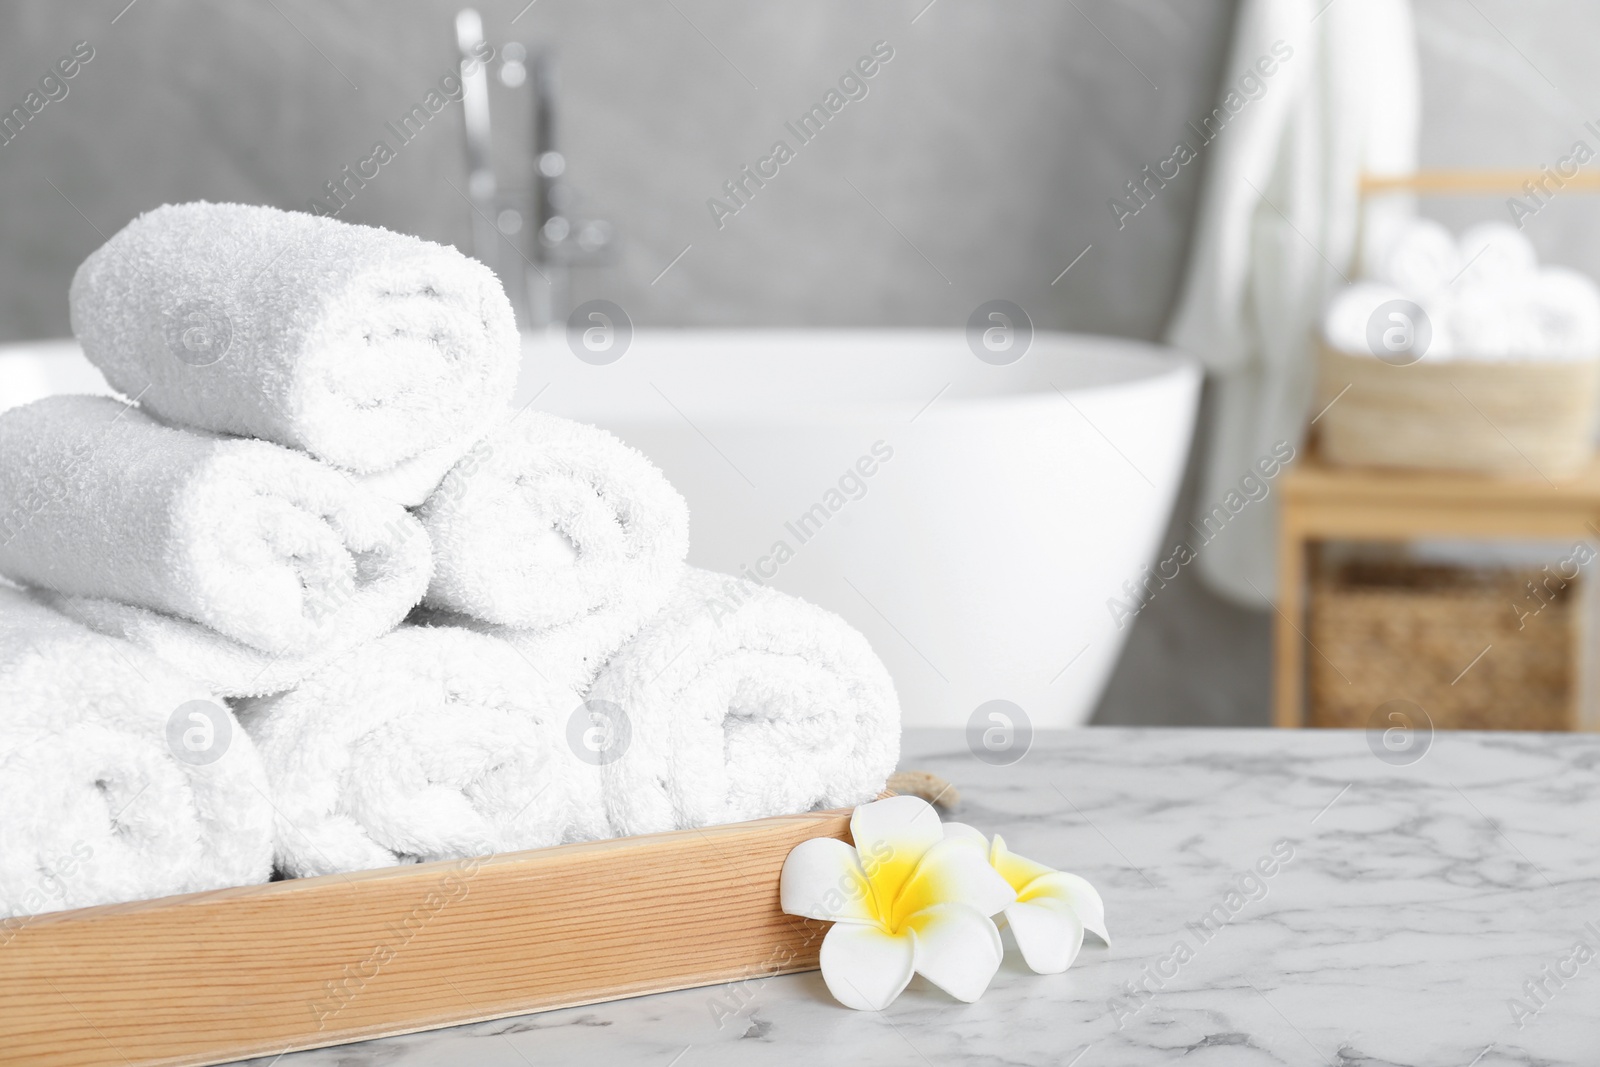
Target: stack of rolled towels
{"type": "Point", "coordinates": [1485, 295]}
{"type": "Point", "coordinates": [312, 598]}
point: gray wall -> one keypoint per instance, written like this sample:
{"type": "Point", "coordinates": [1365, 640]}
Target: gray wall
{"type": "Point", "coordinates": [991, 143]}
{"type": "Point", "coordinates": [1511, 84]}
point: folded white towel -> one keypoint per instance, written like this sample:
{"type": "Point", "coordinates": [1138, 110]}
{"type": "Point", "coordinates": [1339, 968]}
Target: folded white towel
{"type": "Point", "coordinates": [119, 778]}
{"type": "Point", "coordinates": [260, 543]}
{"type": "Point", "coordinates": [740, 702]}
{"type": "Point", "coordinates": [426, 744]}
{"type": "Point", "coordinates": [360, 346]}
{"type": "Point", "coordinates": [549, 521]}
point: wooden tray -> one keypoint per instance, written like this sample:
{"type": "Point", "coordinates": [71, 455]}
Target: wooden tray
{"type": "Point", "coordinates": [260, 970]}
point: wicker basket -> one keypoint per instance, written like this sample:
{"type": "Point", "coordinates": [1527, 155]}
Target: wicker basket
{"type": "Point", "coordinates": [1527, 419]}
{"type": "Point", "coordinates": [1409, 631]}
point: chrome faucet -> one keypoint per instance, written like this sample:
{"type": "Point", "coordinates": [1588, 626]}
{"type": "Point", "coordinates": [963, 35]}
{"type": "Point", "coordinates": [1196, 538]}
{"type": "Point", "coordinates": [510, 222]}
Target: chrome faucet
{"type": "Point", "coordinates": [475, 118]}
{"type": "Point", "coordinates": [548, 238]}
{"type": "Point", "coordinates": [561, 239]}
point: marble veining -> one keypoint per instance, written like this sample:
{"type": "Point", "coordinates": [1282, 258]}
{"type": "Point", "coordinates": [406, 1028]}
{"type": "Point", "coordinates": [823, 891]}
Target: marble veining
{"type": "Point", "coordinates": [1425, 915]}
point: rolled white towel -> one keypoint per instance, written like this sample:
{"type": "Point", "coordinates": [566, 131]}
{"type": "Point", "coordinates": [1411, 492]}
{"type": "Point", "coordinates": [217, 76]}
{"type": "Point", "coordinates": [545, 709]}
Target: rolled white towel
{"type": "Point", "coordinates": [426, 744]}
{"type": "Point", "coordinates": [569, 655]}
{"type": "Point", "coordinates": [414, 480]}
{"type": "Point", "coordinates": [1552, 314]}
{"type": "Point", "coordinates": [1345, 323]}
{"type": "Point", "coordinates": [260, 543]}
{"type": "Point", "coordinates": [1563, 315]}
{"type": "Point", "coordinates": [560, 531]}
{"type": "Point", "coordinates": [1488, 320]}
{"type": "Point", "coordinates": [217, 662]}
{"type": "Point", "coordinates": [1494, 253]}
{"type": "Point", "coordinates": [1422, 259]}
{"type": "Point", "coordinates": [740, 702]}
{"type": "Point", "coordinates": [358, 345]}
{"type": "Point", "coordinates": [119, 778]}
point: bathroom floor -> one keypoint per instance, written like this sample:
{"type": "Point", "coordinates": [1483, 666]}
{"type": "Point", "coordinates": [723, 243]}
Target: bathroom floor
{"type": "Point", "coordinates": [1192, 658]}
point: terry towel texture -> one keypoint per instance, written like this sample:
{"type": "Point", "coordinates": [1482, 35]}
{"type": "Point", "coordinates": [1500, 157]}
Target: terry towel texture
{"type": "Point", "coordinates": [215, 661]}
{"type": "Point", "coordinates": [548, 520]}
{"type": "Point", "coordinates": [108, 792]}
{"type": "Point", "coordinates": [260, 543]}
{"type": "Point", "coordinates": [742, 702]}
{"type": "Point", "coordinates": [415, 479]}
{"type": "Point", "coordinates": [558, 538]}
{"type": "Point", "coordinates": [358, 345]}
{"type": "Point", "coordinates": [427, 744]}
{"type": "Point", "coordinates": [569, 655]}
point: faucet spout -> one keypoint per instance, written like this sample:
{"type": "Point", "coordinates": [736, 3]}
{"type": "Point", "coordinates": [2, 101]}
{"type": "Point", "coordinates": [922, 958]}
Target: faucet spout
{"type": "Point", "coordinates": [546, 235]}
{"type": "Point", "coordinates": [475, 115]}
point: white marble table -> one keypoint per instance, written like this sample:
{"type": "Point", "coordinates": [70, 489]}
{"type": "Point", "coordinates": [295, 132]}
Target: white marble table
{"type": "Point", "coordinates": [1419, 901]}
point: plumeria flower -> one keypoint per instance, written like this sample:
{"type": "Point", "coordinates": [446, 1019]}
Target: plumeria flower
{"type": "Point", "coordinates": [904, 899]}
{"type": "Point", "coordinates": [1052, 908]}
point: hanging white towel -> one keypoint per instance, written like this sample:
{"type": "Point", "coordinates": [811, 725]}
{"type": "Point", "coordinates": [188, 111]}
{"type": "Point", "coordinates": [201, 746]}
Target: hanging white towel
{"type": "Point", "coordinates": [1279, 228]}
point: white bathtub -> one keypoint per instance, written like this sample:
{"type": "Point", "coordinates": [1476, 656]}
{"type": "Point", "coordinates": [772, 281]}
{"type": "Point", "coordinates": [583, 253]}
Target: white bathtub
{"type": "Point", "coordinates": [1004, 504]}
{"type": "Point", "coordinates": [978, 558]}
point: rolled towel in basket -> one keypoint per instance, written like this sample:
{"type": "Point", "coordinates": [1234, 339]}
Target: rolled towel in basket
{"type": "Point", "coordinates": [358, 345]}
{"type": "Point", "coordinates": [1422, 260]}
{"type": "Point", "coordinates": [119, 778]}
{"type": "Point", "coordinates": [740, 702]}
{"type": "Point", "coordinates": [559, 530]}
{"type": "Point", "coordinates": [429, 743]}
{"type": "Point", "coordinates": [1350, 316]}
{"type": "Point", "coordinates": [260, 543]}
{"type": "Point", "coordinates": [1563, 314]}
{"type": "Point", "coordinates": [1494, 253]}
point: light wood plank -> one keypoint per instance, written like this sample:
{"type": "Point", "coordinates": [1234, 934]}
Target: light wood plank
{"type": "Point", "coordinates": [1471, 181]}
{"type": "Point", "coordinates": [257, 970]}
{"type": "Point", "coordinates": [1321, 502]}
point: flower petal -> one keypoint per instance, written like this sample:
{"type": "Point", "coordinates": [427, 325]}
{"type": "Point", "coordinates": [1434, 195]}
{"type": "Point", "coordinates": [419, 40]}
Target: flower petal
{"type": "Point", "coordinates": [957, 949]}
{"type": "Point", "coordinates": [1077, 893]}
{"type": "Point", "coordinates": [822, 879]}
{"type": "Point", "coordinates": [891, 836]}
{"type": "Point", "coordinates": [1048, 932]}
{"type": "Point", "coordinates": [864, 967]}
{"type": "Point", "coordinates": [972, 833]}
{"type": "Point", "coordinates": [1018, 870]}
{"type": "Point", "coordinates": [954, 870]}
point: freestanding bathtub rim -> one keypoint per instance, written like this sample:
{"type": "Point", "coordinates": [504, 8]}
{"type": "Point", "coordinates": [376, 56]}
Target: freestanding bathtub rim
{"type": "Point", "coordinates": [960, 386]}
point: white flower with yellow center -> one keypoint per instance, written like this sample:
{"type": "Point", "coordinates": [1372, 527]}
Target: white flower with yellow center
{"type": "Point", "coordinates": [906, 898]}
{"type": "Point", "coordinates": [1052, 909]}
